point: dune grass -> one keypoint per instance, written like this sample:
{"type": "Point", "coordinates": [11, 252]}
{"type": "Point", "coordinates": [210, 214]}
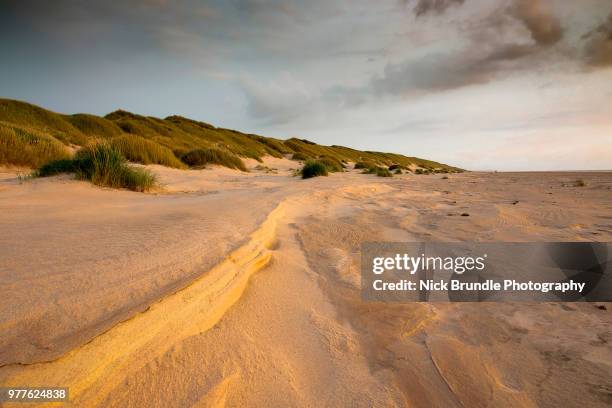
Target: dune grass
{"type": "Point", "coordinates": [300, 157]}
{"type": "Point", "coordinates": [314, 168]}
{"type": "Point", "coordinates": [275, 147]}
{"type": "Point", "coordinates": [383, 172]}
{"type": "Point", "coordinates": [183, 136]}
{"type": "Point", "coordinates": [321, 167]}
{"type": "Point", "coordinates": [341, 153]}
{"type": "Point", "coordinates": [379, 171]}
{"type": "Point", "coordinates": [94, 126]}
{"type": "Point", "coordinates": [140, 150]}
{"type": "Point", "coordinates": [333, 165]}
{"type": "Point", "coordinates": [54, 167]}
{"type": "Point", "coordinates": [396, 167]}
{"type": "Point", "coordinates": [364, 165]}
{"type": "Point", "coordinates": [27, 147]}
{"type": "Point", "coordinates": [202, 157]}
{"type": "Point", "coordinates": [103, 165]}
{"type": "Point", "coordinates": [423, 171]}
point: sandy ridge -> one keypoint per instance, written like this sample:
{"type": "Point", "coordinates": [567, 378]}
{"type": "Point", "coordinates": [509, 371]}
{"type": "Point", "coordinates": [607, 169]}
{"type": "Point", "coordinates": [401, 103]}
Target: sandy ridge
{"type": "Point", "coordinates": [91, 371]}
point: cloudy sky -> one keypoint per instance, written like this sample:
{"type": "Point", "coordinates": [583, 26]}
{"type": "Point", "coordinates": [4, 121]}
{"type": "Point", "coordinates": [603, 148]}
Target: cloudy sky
{"type": "Point", "coordinates": [481, 84]}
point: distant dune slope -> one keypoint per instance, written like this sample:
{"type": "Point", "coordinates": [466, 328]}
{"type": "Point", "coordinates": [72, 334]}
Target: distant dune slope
{"type": "Point", "coordinates": [25, 122]}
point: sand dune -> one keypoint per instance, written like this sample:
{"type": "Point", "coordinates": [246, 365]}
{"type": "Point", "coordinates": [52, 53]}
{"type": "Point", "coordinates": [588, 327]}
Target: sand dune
{"type": "Point", "coordinates": [234, 289]}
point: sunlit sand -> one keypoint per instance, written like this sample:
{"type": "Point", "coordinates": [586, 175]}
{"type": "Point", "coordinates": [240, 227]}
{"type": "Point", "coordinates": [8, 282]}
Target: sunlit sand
{"type": "Point", "coordinates": [243, 288]}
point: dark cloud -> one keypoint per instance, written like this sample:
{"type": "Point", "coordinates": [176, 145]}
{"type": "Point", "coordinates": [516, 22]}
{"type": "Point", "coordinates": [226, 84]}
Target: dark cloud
{"type": "Point", "coordinates": [598, 47]}
{"type": "Point", "coordinates": [539, 19]}
{"type": "Point", "coordinates": [443, 72]}
{"type": "Point", "coordinates": [487, 57]}
{"type": "Point", "coordinates": [508, 52]}
{"type": "Point", "coordinates": [434, 6]}
{"type": "Point", "coordinates": [437, 72]}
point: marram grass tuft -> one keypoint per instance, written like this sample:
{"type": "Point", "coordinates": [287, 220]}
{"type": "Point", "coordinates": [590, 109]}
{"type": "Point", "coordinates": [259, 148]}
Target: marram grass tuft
{"type": "Point", "coordinates": [103, 165]}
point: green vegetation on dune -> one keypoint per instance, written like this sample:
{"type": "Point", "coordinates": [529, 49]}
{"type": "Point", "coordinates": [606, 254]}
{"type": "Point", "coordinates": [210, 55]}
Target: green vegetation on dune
{"type": "Point", "coordinates": [364, 159]}
{"type": "Point", "coordinates": [202, 157]}
{"type": "Point", "coordinates": [276, 147]}
{"type": "Point", "coordinates": [94, 126]}
{"type": "Point", "coordinates": [151, 140]}
{"type": "Point", "coordinates": [102, 164]}
{"type": "Point", "coordinates": [31, 116]}
{"type": "Point", "coordinates": [183, 135]}
{"type": "Point", "coordinates": [140, 150]}
{"type": "Point", "coordinates": [321, 167]}
{"type": "Point", "coordinates": [364, 165]}
{"type": "Point", "coordinates": [383, 172]}
{"type": "Point", "coordinates": [299, 156]}
{"type": "Point", "coordinates": [379, 171]}
{"type": "Point", "coordinates": [333, 165]}
{"type": "Point", "coordinates": [314, 169]}
{"type": "Point", "coordinates": [55, 167]}
{"type": "Point", "coordinates": [21, 146]}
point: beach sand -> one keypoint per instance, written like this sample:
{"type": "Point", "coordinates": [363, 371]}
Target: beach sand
{"type": "Point", "coordinates": [242, 289]}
